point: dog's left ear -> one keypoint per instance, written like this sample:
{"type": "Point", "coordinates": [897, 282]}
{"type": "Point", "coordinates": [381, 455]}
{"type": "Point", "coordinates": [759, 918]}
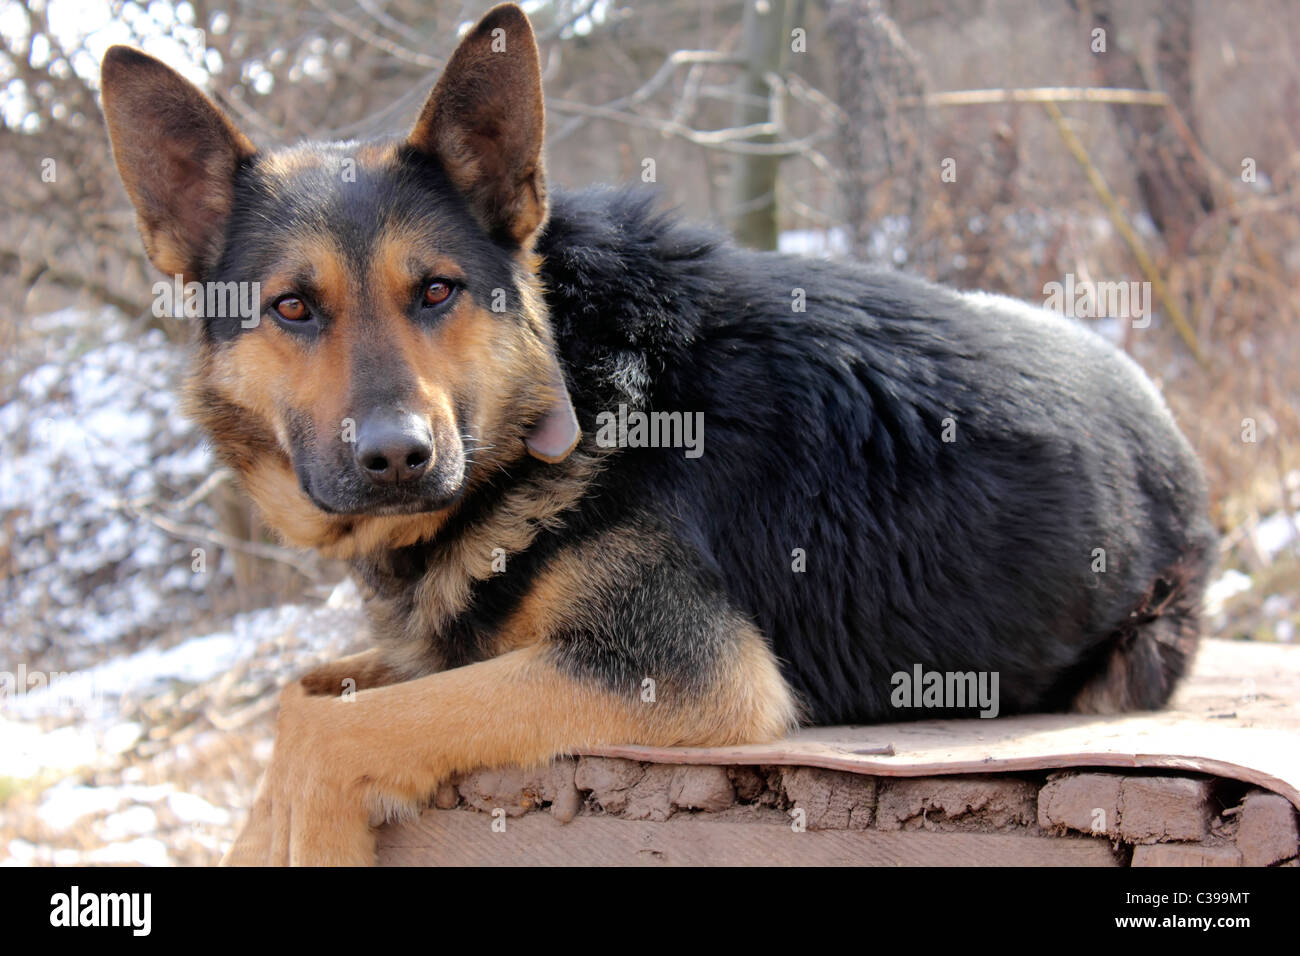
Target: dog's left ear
{"type": "Point", "coordinates": [484, 123]}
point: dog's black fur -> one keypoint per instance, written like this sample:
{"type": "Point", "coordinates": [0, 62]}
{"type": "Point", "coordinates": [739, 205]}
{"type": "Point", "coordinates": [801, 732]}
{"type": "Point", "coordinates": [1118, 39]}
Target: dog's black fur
{"type": "Point", "coordinates": [824, 432]}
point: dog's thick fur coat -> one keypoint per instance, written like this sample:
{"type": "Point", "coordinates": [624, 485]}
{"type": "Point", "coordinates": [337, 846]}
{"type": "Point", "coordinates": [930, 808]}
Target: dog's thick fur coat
{"type": "Point", "coordinates": [953, 467]}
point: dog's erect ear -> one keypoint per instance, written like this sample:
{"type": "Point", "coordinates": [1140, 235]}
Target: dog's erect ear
{"type": "Point", "coordinates": [484, 123]}
{"type": "Point", "coordinates": [556, 433]}
{"type": "Point", "coordinates": [177, 155]}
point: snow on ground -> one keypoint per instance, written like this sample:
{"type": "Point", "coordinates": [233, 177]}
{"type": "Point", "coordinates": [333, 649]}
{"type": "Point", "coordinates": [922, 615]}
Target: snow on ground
{"type": "Point", "coordinates": [140, 746]}
{"type": "Point", "coordinates": [1276, 533]}
{"type": "Point", "coordinates": [199, 659]}
{"type": "Point", "coordinates": [122, 739]}
{"type": "Point", "coordinates": [91, 708]}
{"type": "Point", "coordinates": [1228, 585]}
{"type": "Point", "coordinates": [822, 243]}
{"type": "Point", "coordinates": [92, 421]}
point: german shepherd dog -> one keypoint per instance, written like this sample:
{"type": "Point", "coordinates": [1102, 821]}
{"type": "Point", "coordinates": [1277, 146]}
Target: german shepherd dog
{"type": "Point", "coordinates": [446, 383]}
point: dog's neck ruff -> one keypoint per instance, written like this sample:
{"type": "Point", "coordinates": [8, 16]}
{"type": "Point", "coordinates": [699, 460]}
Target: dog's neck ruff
{"type": "Point", "coordinates": [415, 594]}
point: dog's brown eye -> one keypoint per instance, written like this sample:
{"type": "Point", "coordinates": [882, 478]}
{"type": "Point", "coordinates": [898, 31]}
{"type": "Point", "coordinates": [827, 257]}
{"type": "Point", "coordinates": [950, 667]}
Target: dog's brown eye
{"type": "Point", "coordinates": [291, 309]}
{"type": "Point", "coordinates": [436, 293]}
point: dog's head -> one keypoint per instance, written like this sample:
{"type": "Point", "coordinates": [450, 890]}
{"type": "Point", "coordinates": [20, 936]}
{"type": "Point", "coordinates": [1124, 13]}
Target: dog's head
{"type": "Point", "coordinates": [395, 347]}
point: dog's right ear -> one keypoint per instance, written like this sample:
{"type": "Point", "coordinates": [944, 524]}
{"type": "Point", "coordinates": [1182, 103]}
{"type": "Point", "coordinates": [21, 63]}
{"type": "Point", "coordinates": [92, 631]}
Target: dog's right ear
{"type": "Point", "coordinates": [177, 155]}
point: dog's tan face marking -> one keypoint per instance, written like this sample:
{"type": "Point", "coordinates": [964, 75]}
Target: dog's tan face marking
{"type": "Point", "coordinates": [269, 370]}
{"type": "Point", "coordinates": [469, 372]}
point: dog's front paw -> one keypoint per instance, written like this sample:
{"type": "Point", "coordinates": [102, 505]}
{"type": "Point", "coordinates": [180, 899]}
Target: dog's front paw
{"type": "Point", "coordinates": [311, 806]}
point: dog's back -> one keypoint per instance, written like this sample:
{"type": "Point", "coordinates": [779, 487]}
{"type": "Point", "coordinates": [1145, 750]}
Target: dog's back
{"type": "Point", "coordinates": [893, 474]}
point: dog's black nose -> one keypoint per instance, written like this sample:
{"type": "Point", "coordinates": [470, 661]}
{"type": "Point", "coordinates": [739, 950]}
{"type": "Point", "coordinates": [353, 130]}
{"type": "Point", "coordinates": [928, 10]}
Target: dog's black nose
{"type": "Point", "coordinates": [392, 449]}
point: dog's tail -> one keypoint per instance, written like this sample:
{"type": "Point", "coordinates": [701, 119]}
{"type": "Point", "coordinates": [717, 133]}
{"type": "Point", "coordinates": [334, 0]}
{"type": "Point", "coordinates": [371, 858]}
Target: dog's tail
{"type": "Point", "coordinates": [1140, 664]}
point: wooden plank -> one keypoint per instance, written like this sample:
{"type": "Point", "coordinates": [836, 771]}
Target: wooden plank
{"type": "Point", "coordinates": [466, 838]}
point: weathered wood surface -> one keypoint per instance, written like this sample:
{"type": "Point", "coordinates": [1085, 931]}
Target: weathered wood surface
{"type": "Point", "coordinates": [465, 838]}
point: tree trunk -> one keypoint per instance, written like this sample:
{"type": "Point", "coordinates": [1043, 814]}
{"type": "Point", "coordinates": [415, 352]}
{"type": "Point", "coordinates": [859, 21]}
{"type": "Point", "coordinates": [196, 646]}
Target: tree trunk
{"type": "Point", "coordinates": [1174, 188]}
{"type": "Point", "coordinates": [882, 146]}
{"type": "Point", "coordinates": [753, 177]}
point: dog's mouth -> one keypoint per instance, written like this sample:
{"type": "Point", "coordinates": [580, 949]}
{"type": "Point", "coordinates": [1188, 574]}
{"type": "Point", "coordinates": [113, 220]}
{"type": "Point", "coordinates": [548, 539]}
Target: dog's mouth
{"type": "Point", "coordinates": [341, 496]}
{"type": "Point", "coordinates": [408, 506]}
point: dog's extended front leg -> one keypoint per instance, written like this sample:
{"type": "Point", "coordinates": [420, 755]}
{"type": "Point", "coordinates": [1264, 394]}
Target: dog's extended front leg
{"type": "Point", "coordinates": [341, 764]}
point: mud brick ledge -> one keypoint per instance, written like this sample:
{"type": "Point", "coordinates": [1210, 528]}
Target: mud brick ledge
{"type": "Point", "coordinates": [600, 810]}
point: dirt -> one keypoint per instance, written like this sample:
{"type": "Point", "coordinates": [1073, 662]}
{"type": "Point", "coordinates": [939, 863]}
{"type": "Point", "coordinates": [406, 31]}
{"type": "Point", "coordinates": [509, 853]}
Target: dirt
{"type": "Point", "coordinates": [974, 802]}
{"type": "Point", "coordinates": [1131, 809]}
{"type": "Point", "coordinates": [1266, 833]}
